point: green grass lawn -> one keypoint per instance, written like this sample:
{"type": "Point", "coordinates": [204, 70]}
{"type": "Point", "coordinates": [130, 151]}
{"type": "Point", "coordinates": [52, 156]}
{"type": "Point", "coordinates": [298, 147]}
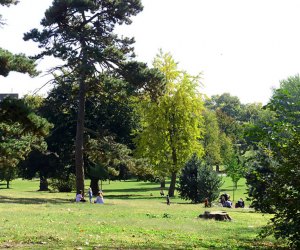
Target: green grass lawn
{"type": "Point", "coordinates": [134, 216]}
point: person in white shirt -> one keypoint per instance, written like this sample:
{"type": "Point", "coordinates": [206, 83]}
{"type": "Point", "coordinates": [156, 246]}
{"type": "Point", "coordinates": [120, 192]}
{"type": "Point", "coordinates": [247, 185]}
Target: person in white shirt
{"type": "Point", "coordinates": [99, 198]}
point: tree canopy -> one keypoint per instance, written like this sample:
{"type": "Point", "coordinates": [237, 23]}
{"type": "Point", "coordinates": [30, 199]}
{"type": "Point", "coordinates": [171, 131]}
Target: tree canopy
{"type": "Point", "coordinates": [10, 62]}
{"type": "Point", "coordinates": [273, 178]}
{"type": "Point", "coordinates": [80, 32]}
{"type": "Point", "coordinates": [172, 125]}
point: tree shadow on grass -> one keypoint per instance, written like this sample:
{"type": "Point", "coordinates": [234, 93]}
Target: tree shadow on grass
{"type": "Point", "coordinates": [30, 201]}
{"type": "Point", "coordinates": [132, 190]}
{"type": "Point", "coordinates": [144, 183]}
{"type": "Point", "coordinates": [132, 197]}
{"type": "Point", "coordinates": [3, 186]}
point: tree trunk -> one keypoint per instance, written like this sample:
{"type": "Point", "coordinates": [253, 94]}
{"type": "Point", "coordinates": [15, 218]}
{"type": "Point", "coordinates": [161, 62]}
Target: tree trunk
{"type": "Point", "coordinates": [7, 184]}
{"type": "Point", "coordinates": [217, 215]}
{"type": "Point", "coordinates": [95, 185]}
{"type": "Point", "coordinates": [217, 168]}
{"type": "Point", "coordinates": [162, 183]}
{"type": "Point", "coordinates": [79, 162]}
{"type": "Point", "coordinates": [43, 183]}
{"type": "Point", "coordinates": [172, 184]}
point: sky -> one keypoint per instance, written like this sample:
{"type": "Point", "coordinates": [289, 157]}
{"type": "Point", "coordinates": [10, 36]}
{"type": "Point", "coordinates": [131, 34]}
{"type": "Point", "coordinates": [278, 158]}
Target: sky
{"type": "Point", "coordinates": [241, 47]}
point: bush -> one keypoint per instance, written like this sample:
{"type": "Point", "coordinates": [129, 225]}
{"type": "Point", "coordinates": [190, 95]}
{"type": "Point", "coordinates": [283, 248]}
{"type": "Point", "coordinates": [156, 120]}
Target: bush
{"type": "Point", "coordinates": [63, 183]}
{"type": "Point", "coordinates": [198, 181]}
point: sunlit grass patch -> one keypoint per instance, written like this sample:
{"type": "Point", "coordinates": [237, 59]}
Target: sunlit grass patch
{"type": "Point", "coordinates": [134, 216]}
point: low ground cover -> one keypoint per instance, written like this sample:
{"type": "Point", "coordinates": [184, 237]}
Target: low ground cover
{"type": "Point", "coordinates": [134, 216]}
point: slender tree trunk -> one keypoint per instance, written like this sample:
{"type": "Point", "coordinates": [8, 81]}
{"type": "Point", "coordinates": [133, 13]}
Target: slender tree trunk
{"type": "Point", "coordinates": [79, 163]}
{"type": "Point", "coordinates": [174, 171]}
{"type": "Point", "coordinates": [7, 184]}
{"type": "Point", "coordinates": [95, 185]}
{"type": "Point", "coordinates": [174, 160]}
{"type": "Point", "coordinates": [172, 184]}
{"type": "Point", "coordinates": [43, 183]}
{"type": "Point", "coordinates": [162, 183]}
{"type": "Point", "coordinates": [217, 168]}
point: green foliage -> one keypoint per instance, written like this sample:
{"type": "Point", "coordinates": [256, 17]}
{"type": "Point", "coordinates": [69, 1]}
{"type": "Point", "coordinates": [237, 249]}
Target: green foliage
{"type": "Point", "coordinates": [21, 131]}
{"type": "Point", "coordinates": [251, 112]}
{"type": "Point", "coordinates": [198, 181]}
{"type": "Point", "coordinates": [235, 169]}
{"type": "Point", "coordinates": [106, 156]}
{"type": "Point", "coordinates": [212, 140]}
{"type": "Point", "coordinates": [63, 183]}
{"type": "Point", "coordinates": [229, 105]}
{"type": "Point", "coordinates": [259, 179]}
{"type": "Point", "coordinates": [19, 63]}
{"type": "Point", "coordinates": [172, 125]}
{"type": "Point", "coordinates": [8, 2]}
{"type": "Point", "coordinates": [274, 180]}
{"type": "Point", "coordinates": [81, 33]}
{"type": "Point", "coordinates": [8, 174]}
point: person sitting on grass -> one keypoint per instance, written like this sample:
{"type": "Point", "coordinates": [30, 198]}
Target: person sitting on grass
{"type": "Point", "coordinates": [99, 198]}
{"type": "Point", "coordinates": [79, 197]}
{"type": "Point", "coordinates": [228, 204]}
{"type": "Point", "coordinates": [240, 203]}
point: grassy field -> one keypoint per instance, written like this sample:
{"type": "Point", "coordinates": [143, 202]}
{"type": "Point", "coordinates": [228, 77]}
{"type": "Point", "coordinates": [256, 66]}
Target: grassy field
{"type": "Point", "coordinates": [134, 216]}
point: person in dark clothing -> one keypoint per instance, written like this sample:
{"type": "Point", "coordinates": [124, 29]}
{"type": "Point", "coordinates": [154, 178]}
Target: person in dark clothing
{"type": "Point", "coordinates": [240, 203]}
{"type": "Point", "coordinates": [168, 200]}
{"type": "Point", "coordinates": [162, 192]}
{"type": "Point", "coordinates": [207, 203]}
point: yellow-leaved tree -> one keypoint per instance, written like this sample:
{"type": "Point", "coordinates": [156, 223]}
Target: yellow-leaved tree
{"type": "Point", "coordinates": [172, 125]}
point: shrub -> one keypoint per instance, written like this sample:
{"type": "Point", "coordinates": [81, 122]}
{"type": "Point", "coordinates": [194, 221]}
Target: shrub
{"type": "Point", "coordinates": [198, 181]}
{"type": "Point", "coordinates": [63, 183]}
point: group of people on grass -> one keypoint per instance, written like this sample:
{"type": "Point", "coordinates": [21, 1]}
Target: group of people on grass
{"type": "Point", "coordinates": [99, 198]}
{"type": "Point", "coordinates": [224, 199]}
{"type": "Point", "coordinates": [226, 202]}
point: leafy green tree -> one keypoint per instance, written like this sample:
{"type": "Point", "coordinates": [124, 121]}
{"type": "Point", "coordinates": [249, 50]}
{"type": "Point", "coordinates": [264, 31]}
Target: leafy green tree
{"type": "Point", "coordinates": [259, 179]}
{"type": "Point", "coordinates": [41, 162]}
{"type": "Point", "coordinates": [274, 181]}
{"type": "Point", "coordinates": [229, 105]}
{"type": "Point", "coordinates": [8, 174]}
{"type": "Point", "coordinates": [109, 114]}
{"type": "Point", "coordinates": [16, 62]}
{"type": "Point", "coordinates": [229, 112]}
{"type": "Point", "coordinates": [211, 139]}
{"type": "Point", "coordinates": [198, 181]}
{"type": "Point", "coordinates": [80, 32]}
{"type": "Point", "coordinates": [20, 134]}
{"type": "Point", "coordinates": [10, 62]}
{"type": "Point", "coordinates": [44, 163]}
{"type": "Point", "coordinates": [250, 112]}
{"type": "Point", "coordinates": [235, 169]}
{"type": "Point", "coordinates": [171, 126]}
{"type": "Point", "coordinates": [106, 156]}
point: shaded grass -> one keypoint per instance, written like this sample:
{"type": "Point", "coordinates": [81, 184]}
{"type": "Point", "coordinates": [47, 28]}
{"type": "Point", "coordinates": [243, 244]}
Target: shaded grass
{"type": "Point", "coordinates": [136, 219]}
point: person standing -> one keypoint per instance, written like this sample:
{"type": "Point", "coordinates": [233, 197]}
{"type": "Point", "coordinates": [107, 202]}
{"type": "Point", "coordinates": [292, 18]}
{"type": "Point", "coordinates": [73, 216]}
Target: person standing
{"type": "Point", "coordinates": [168, 199]}
{"type": "Point", "coordinates": [90, 193]}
